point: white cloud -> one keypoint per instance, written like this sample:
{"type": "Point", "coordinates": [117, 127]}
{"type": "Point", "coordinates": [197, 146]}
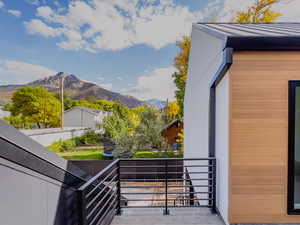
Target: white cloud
{"type": "Point", "coordinates": [20, 72]}
{"type": "Point", "coordinates": [33, 2]}
{"type": "Point", "coordinates": [2, 4]}
{"type": "Point", "coordinates": [16, 13]}
{"type": "Point", "coordinates": [157, 84]}
{"type": "Point", "coordinates": [36, 26]}
{"type": "Point", "coordinates": [116, 24]}
{"type": "Point", "coordinates": [119, 78]}
{"type": "Point", "coordinates": [107, 86]}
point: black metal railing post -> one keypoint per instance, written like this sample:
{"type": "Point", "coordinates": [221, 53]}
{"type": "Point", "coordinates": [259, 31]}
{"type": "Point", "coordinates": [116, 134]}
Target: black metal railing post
{"type": "Point", "coordinates": [166, 210]}
{"type": "Point", "coordinates": [82, 207]}
{"type": "Point", "coordinates": [214, 186]}
{"type": "Point", "coordinates": [119, 198]}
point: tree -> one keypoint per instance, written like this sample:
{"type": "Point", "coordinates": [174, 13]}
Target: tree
{"type": "Point", "coordinates": [130, 137]}
{"type": "Point", "coordinates": [260, 12]}
{"type": "Point", "coordinates": [18, 122]}
{"type": "Point", "coordinates": [114, 125]}
{"type": "Point", "coordinates": [173, 111]}
{"type": "Point", "coordinates": [149, 131]}
{"type": "Point", "coordinates": [36, 105]}
{"type": "Point", "coordinates": [104, 104]}
{"type": "Point", "coordinates": [181, 64]}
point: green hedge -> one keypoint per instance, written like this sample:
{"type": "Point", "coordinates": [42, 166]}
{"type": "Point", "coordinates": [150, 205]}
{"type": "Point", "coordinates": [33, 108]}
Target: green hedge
{"type": "Point", "coordinates": [147, 154]}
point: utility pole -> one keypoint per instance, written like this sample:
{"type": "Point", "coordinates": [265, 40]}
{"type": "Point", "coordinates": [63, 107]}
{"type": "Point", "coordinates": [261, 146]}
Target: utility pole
{"type": "Point", "coordinates": [62, 102]}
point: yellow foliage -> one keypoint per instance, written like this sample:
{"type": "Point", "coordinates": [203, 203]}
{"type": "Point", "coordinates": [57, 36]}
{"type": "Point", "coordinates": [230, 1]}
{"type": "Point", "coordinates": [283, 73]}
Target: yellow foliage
{"type": "Point", "coordinates": [260, 12]}
{"type": "Point", "coordinates": [173, 109]}
{"type": "Point", "coordinates": [134, 118]}
{"type": "Point", "coordinates": [181, 139]}
{"type": "Point", "coordinates": [181, 60]}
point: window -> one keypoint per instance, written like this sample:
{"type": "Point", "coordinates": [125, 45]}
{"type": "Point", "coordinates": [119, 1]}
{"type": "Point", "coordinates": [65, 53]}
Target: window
{"type": "Point", "coordinates": [294, 148]}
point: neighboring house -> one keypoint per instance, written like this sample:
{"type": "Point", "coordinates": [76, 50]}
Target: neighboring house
{"type": "Point", "coordinates": [171, 131]}
{"type": "Point", "coordinates": [242, 105]}
{"type": "Point", "coordinates": [84, 117]}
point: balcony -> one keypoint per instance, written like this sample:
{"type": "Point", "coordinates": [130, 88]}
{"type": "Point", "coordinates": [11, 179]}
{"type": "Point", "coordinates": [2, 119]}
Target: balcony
{"type": "Point", "coordinates": [151, 191]}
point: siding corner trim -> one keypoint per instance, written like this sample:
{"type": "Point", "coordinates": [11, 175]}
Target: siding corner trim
{"type": "Point", "coordinates": [224, 67]}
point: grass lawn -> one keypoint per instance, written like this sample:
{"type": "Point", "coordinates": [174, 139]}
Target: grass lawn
{"type": "Point", "coordinates": [82, 154]}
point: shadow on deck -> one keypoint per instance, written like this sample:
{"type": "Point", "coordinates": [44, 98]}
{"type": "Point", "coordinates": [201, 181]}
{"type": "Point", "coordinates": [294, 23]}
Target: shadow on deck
{"type": "Point", "coordinates": [178, 216]}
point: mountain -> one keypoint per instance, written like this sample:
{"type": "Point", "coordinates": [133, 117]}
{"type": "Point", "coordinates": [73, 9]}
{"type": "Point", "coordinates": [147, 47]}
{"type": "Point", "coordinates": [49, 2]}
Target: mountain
{"type": "Point", "coordinates": [156, 103]}
{"type": "Point", "coordinates": [74, 88]}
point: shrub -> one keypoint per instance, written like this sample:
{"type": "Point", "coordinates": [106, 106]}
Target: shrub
{"type": "Point", "coordinates": [56, 146]}
{"type": "Point", "coordinates": [147, 154]}
{"type": "Point", "coordinates": [144, 155]}
{"type": "Point", "coordinates": [68, 145]}
{"type": "Point", "coordinates": [88, 138]}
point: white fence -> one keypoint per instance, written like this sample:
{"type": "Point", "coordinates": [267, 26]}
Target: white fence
{"type": "Point", "coordinates": [47, 136]}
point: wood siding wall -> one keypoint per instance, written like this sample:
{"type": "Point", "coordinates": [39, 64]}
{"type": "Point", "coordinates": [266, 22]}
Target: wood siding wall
{"type": "Point", "coordinates": [259, 136]}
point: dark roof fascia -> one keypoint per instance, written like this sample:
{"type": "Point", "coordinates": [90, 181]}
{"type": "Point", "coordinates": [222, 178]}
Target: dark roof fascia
{"type": "Point", "coordinates": [258, 43]}
{"type": "Point", "coordinates": [263, 43]}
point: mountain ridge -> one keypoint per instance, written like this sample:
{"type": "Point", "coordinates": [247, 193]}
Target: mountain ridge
{"type": "Point", "coordinates": [74, 87]}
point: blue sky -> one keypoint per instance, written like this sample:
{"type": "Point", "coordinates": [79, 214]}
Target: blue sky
{"type": "Point", "coordinates": [126, 46]}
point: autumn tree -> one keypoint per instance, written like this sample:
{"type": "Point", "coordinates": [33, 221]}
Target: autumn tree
{"type": "Point", "coordinates": [173, 111]}
{"type": "Point", "coordinates": [181, 64]}
{"type": "Point", "coordinates": [36, 105]}
{"type": "Point", "coordinates": [260, 12]}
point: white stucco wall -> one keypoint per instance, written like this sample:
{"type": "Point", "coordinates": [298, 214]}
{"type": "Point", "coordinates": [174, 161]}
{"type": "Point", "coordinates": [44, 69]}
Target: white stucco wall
{"type": "Point", "coordinates": [205, 59]}
{"type": "Point", "coordinates": [46, 137]}
{"type": "Point", "coordinates": [222, 145]}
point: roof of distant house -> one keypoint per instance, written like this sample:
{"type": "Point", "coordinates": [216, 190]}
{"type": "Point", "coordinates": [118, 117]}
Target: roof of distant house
{"type": "Point", "coordinates": [250, 36]}
{"type": "Point", "coordinates": [174, 122]}
{"type": "Point", "coordinates": [86, 109]}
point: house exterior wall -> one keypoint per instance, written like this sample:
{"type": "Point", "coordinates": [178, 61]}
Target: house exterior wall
{"type": "Point", "coordinates": [205, 59]}
{"type": "Point", "coordinates": [222, 145]}
{"type": "Point", "coordinates": [79, 118]}
{"type": "Point", "coordinates": [259, 136]}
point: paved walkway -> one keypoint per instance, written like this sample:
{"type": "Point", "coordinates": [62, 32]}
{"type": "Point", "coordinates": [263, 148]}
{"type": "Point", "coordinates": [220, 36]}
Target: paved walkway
{"type": "Point", "coordinates": [178, 216]}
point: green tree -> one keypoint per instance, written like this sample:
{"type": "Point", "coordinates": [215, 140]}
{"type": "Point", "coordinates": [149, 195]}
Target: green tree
{"type": "Point", "coordinates": [114, 125]}
{"type": "Point", "coordinates": [104, 104]}
{"type": "Point", "coordinates": [148, 132]}
{"type": "Point", "coordinates": [18, 122]}
{"type": "Point", "coordinates": [36, 105]}
{"type": "Point", "coordinates": [121, 110]}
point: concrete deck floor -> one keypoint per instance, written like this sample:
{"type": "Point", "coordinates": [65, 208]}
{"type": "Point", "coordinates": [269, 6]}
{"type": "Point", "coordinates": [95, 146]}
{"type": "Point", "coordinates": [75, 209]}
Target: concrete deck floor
{"type": "Point", "coordinates": [178, 216]}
